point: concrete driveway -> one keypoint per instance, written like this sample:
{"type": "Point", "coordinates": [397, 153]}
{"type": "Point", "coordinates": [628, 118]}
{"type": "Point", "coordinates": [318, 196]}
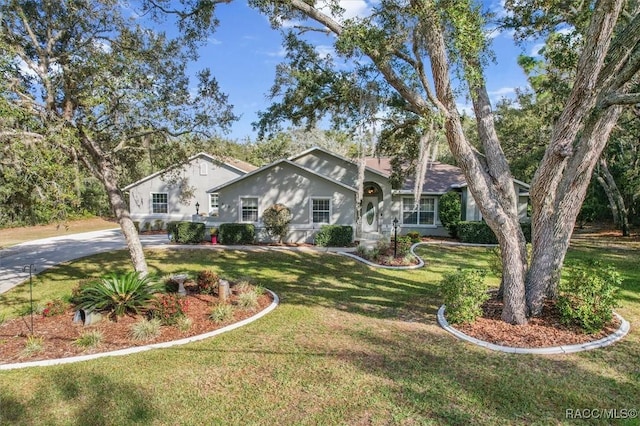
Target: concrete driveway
{"type": "Point", "coordinates": [48, 252]}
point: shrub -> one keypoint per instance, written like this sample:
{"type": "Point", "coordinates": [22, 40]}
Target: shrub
{"type": "Point", "coordinates": [221, 312]}
{"type": "Point", "coordinates": [415, 236]}
{"type": "Point", "coordinates": [588, 297]}
{"type": "Point", "coordinates": [276, 221]}
{"type": "Point", "coordinates": [146, 329]}
{"type": "Point", "coordinates": [158, 224]}
{"type": "Point", "coordinates": [169, 307]}
{"type": "Point", "coordinates": [207, 282]}
{"type": "Point", "coordinates": [464, 291]}
{"type": "Point", "coordinates": [118, 294]}
{"type": "Point", "coordinates": [402, 247]}
{"type": "Point", "coordinates": [476, 232]}
{"type": "Point", "coordinates": [481, 233]}
{"type": "Point", "coordinates": [334, 236]}
{"type": "Point", "coordinates": [449, 211]}
{"type": "Point", "coordinates": [136, 224]}
{"type": "Point", "coordinates": [236, 233]}
{"type": "Point", "coordinates": [89, 339]}
{"type": "Point", "coordinates": [54, 307]}
{"type": "Point", "coordinates": [186, 232]}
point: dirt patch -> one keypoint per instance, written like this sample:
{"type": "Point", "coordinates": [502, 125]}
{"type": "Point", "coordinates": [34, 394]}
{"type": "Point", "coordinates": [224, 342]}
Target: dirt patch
{"type": "Point", "coordinates": [60, 332]}
{"type": "Point", "coordinates": [544, 331]}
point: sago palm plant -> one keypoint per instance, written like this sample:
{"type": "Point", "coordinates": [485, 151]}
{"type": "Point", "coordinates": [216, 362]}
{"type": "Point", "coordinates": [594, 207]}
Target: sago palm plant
{"type": "Point", "coordinates": [119, 294]}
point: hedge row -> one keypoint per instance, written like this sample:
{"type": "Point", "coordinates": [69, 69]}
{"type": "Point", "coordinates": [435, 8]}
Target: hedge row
{"type": "Point", "coordinates": [480, 233]}
{"type": "Point", "coordinates": [186, 232]}
{"type": "Point", "coordinates": [236, 233]}
{"type": "Point", "coordinates": [334, 236]}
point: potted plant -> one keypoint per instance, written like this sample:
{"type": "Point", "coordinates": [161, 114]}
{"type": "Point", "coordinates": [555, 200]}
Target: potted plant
{"type": "Point", "coordinates": [214, 235]}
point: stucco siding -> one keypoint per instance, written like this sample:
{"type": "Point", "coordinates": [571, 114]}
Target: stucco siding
{"type": "Point", "coordinates": [295, 188]}
{"type": "Point", "coordinates": [198, 175]}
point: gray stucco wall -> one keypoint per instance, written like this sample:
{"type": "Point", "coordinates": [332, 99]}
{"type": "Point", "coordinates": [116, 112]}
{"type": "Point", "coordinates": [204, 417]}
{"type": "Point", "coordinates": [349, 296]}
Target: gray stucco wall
{"type": "Point", "coordinates": [293, 187]}
{"type": "Point", "coordinates": [201, 174]}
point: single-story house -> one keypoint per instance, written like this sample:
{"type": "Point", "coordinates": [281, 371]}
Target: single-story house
{"type": "Point", "coordinates": [159, 198]}
{"type": "Point", "coordinates": [319, 188]}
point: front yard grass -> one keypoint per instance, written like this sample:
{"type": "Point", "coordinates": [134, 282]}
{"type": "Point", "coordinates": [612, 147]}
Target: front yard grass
{"type": "Point", "coordinates": [348, 345]}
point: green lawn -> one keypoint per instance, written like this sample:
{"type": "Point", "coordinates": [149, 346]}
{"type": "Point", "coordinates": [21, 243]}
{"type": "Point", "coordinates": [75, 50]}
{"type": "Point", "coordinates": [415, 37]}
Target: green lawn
{"type": "Point", "coordinates": [348, 345]}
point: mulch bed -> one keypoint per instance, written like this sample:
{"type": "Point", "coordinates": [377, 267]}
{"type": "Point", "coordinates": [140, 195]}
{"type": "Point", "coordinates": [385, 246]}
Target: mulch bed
{"type": "Point", "coordinates": [543, 331]}
{"type": "Point", "coordinates": [60, 332]}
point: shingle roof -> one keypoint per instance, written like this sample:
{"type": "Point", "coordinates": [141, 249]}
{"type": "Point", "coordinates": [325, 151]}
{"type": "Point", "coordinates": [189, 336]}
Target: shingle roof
{"type": "Point", "coordinates": [439, 178]}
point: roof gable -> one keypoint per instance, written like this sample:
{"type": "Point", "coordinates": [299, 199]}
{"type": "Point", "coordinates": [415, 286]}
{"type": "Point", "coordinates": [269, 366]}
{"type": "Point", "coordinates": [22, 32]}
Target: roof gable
{"type": "Point", "coordinates": [237, 165]}
{"type": "Point", "coordinates": [274, 164]}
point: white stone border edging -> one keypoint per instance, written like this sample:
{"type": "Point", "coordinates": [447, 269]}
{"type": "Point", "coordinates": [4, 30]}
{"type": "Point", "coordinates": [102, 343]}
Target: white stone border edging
{"type": "Point", "coordinates": [605, 341]}
{"type": "Point", "coordinates": [137, 349]}
{"type": "Point", "coordinates": [376, 265]}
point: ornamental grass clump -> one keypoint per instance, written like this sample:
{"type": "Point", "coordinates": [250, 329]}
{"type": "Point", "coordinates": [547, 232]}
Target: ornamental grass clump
{"type": "Point", "coordinates": [588, 297]}
{"type": "Point", "coordinates": [248, 299]}
{"type": "Point", "coordinates": [146, 329]}
{"type": "Point", "coordinates": [89, 339]}
{"type": "Point", "coordinates": [119, 294]}
{"type": "Point", "coordinates": [221, 312]}
{"type": "Point", "coordinates": [34, 345]}
{"type": "Point", "coordinates": [464, 291]}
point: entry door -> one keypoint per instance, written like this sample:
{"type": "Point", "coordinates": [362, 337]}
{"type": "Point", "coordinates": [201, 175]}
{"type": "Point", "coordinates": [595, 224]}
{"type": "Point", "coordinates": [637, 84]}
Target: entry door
{"type": "Point", "coordinates": [370, 214]}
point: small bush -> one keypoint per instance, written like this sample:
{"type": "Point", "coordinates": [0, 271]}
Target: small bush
{"type": "Point", "coordinates": [276, 221]}
{"type": "Point", "coordinates": [334, 236]}
{"type": "Point", "coordinates": [414, 236]}
{"type": "Point", "coordinates": [236, 233]}
{"type": "Point", "coordinates": [464, 291]}
{"type": "Point", "coordinates": [54, 307]}
{"type": "Point", "coordinates": [186, 232]}
{"type": "Point", "coordinates": [402, 247]}
{"type": "Point", "coordinates": [34, 345]}
{"type": "Point", "coordinates": [221, 312]}
{"type": "Point", "coordinates": [588, 297]}
{"type": "Point", "coordinates": [476, 233]}
{"type": "Point", "coordinates": [146, 329]}
{"type": "Point", "coordinates": [158, 225]}
{"type": "Point", "coordinates": [207, 282]}
{"type": "Point", "coordinates": [481, 233]}
{"type": "Point", "coordinates": [89, 339]}
{"type": "Point", "coordinates": [449, 211]}
{"type": "Point", "coordinates": [118, 294]}
{"type": "Point", "coordinates": [242, 286]}
{"type": "Point", "coordinates": [168, 308]}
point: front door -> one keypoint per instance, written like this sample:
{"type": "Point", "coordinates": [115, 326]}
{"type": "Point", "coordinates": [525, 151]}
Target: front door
{"type": "Point", "coordinates": [370, 214]}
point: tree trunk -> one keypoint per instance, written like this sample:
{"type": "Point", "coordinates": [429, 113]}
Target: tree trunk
{"type": "Point", "coordinates": [616, 201]}
{"type": "Point", "coordinates": [554, 219]}
{"type": "Point", "coordinates": [103, 168]}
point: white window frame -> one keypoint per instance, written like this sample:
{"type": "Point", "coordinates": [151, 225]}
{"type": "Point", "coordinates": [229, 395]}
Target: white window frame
{"type": "Point", "coordinates": [204, 169]}
{"type": "Point", "coordinates": [155, 203]}
{"type": "Point", "coordinates": [311, 210]}
{"type": "Point", "coordinates": [411, 202]}
{"type": "Point", "coordinates": [241, 209]}
{"type": "Point", "coordinates": [214, 211]}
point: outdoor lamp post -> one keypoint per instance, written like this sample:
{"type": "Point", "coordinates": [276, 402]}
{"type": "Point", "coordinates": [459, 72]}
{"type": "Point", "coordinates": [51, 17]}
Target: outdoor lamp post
{"type": "Point", "coordinates": [197, 207]}
{"type": "Point", "coordinates": [395, 237]}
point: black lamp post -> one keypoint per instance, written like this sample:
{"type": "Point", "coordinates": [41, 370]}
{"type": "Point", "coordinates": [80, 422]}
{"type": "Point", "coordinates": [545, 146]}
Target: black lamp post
{"type": "Point", "coordinates": [197, 208]}
{"type": "Point", "coordinates": [395, 237]}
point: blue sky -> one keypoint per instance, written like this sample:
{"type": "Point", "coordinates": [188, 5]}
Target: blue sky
{"type": "Point", "coordinates": [244, 51]}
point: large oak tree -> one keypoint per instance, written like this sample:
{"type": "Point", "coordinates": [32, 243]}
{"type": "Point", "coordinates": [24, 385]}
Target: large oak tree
{"type": "Point", "coordinates": [89, 82]}
{"type": "Point", "coordinates": [419, 45]}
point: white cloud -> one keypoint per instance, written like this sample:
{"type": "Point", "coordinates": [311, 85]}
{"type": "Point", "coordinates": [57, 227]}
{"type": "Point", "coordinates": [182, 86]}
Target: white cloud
{"type": "Point", "coordinates": [465, 109]}
{"type": "Point", "coordinates": [502, 92]}
{"type": "Point", "coordinates": [324, 50]}
{"type": "Point", "coordinates": [279, 54]}
{"type": "Point", "coordinates": [214, 41]}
